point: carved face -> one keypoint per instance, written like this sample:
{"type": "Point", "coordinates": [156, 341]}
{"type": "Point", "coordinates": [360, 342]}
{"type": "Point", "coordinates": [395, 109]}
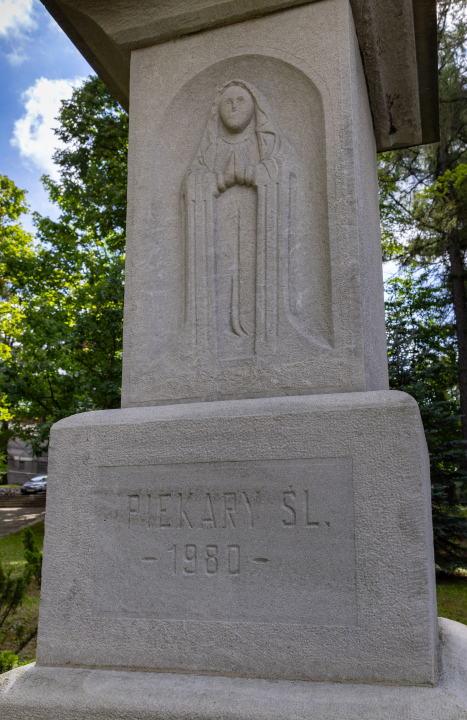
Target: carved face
{"type": "Point", "coordinates": [236, 108]}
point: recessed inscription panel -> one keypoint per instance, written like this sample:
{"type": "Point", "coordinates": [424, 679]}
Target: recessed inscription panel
{"type": "Point", "coordinates": [257, 541]}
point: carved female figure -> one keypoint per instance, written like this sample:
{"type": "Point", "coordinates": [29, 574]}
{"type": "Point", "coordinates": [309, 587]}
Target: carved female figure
{"type": "Point", "coordinates": [241, 229]}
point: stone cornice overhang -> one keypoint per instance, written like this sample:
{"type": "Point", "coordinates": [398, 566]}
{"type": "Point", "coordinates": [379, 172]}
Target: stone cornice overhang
{"type": "Point", "coordinates": [397, 38]}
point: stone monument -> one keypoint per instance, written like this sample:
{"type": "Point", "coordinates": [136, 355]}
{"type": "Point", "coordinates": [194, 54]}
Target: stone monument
{"type": "Point", "coordinates": [250, 535]}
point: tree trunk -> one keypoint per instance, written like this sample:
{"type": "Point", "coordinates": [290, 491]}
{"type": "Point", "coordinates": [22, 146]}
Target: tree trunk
{"type": "Point", "coordinates": [4, 438]}
{"type": "Point", "coordinates": [26, 641]}
{"type": "Point", "coordinates": [459, 298]}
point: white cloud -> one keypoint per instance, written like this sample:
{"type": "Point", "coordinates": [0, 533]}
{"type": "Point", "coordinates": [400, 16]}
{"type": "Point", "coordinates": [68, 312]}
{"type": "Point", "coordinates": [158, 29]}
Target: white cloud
{"type": "Point", "coordinates": [33, 133]}
{"type": "Point", "coordinates": [16, 57]}
{"type": "Point", "coordinates": [16, 16]}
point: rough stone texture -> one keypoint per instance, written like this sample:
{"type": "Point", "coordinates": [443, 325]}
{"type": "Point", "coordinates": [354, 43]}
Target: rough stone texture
{"type": "Point", "coordinates": [350, 599]}
{"type": "Point", "coordinates": [45, 693]}
{"type": "Point", "coordinates": [272, 286]}
{"type": "Point", "coordinates": [397, 40]}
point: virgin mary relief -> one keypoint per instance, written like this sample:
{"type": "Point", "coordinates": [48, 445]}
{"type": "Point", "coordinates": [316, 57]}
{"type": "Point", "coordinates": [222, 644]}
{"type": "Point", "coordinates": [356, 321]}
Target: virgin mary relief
{"type": "Point", "coordinates": [244, 233]}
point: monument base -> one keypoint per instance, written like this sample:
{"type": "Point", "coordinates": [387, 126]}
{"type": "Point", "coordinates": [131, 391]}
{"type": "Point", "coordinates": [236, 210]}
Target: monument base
{"type": "Point", "coordinates": [284, 538]}
{"type": "Point", "coordinates": [46, 693]}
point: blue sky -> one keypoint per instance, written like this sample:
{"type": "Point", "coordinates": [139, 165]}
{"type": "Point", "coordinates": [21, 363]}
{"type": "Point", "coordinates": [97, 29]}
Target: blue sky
{"type": "Point", "coordinates": [38, 67]}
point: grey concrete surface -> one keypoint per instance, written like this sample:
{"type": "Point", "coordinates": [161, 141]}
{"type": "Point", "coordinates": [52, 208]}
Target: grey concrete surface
{"type": "Point", "coordinates": [286, 537]}
{"type": "Point", "coordinates": [14, 519]}
{"type": "Point", "coordinates": [397, 41]}
{"type": "Point", "coordinates": [259, 276]}
{"type": "Point", "coordinates": [49, 693]}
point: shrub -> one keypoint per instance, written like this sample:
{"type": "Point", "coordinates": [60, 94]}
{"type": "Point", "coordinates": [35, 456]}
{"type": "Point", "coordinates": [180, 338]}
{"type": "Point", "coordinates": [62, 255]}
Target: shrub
{"type": "Point", "coordinates": [8, 661]}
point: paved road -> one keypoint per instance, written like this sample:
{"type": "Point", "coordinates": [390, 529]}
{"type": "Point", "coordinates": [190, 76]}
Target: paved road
{"type": "Point", "coordinates": [14, 519]}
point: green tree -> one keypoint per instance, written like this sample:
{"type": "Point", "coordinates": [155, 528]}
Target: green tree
{"type": "Point", "coordinates": [424, 190]}
{"type": "Point", "coordinates": [422, 356]}
{"type": "Point", "coordinates": [16, 245]}
{"type": "Point", "coordinates": [61, 321]}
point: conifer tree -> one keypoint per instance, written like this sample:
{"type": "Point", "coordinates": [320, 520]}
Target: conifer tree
{"type": "Point", "coordinates": [422, 356]}
{"type": "Point", "coordinates": [424, 189]}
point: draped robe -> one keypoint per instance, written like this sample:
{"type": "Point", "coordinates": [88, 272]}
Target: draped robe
{"type": "Point", "coordinates": [240, 241]}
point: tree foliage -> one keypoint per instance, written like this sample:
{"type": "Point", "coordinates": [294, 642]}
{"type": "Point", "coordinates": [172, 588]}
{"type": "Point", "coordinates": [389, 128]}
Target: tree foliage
{"type": "Point", "coordinates": [12, 592]}
{"type": "Point", "coordinates": [422, 356]}
{"type": "Point", "coordinates": [423, 193]}
{"type": "Point", "coordinates": [62, 309]}
{"type": "Point", "coordinates": [424, 189]}
{"type": "Point", "coordinates": [8, 661]}
{"type": "Point", "coordinates": [32, 555]}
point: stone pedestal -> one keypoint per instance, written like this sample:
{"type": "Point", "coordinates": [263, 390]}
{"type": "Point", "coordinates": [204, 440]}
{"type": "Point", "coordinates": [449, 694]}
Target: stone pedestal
{"type": "Point", "coordinates": [285, 539]}
{"type": "Point", "coordinates": [50, 693]}
{"type": "Point", "coordinates": [276, 538]}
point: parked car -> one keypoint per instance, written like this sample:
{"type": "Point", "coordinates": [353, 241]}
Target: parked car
{"type": "Point", "coordinates": [35, 485]}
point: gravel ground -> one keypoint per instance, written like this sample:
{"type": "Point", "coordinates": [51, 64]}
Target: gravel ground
{"type": "Point", "coordinates": [13, 520]}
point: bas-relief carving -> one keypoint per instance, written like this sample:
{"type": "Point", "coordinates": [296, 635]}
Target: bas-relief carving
{"type": "Point", "coordinates": [244, 227]}
{"type": "Point", "coordinates": [272, 303]}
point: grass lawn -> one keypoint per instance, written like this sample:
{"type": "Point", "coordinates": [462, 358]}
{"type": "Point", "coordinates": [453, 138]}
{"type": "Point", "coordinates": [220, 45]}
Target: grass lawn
{"type": "Point", "coordinates": [451, 592]}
